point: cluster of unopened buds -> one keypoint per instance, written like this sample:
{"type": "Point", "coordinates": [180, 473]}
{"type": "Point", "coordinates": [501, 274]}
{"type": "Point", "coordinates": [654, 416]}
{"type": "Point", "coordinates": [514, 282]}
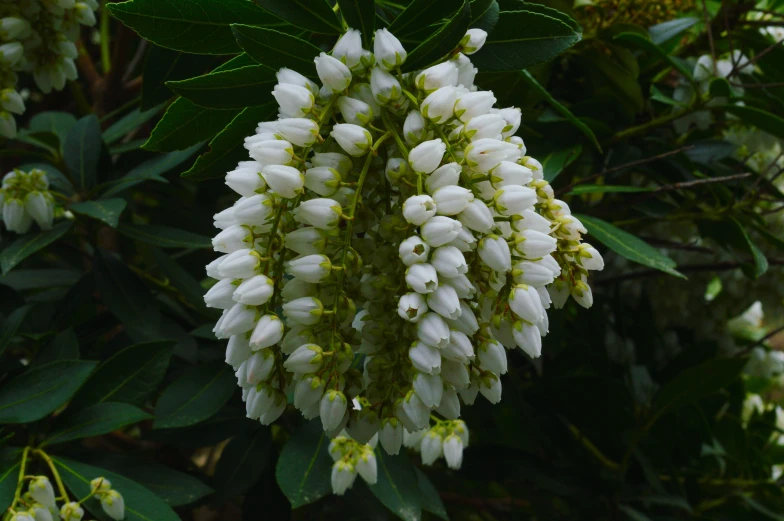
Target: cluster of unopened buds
{"type": "Point", "coordinates": [38, 37]}
{"type": "Point", "coordinates": [409, 240]}
{"type": "Point", "coordinates": [41, 504]}
{"type": "Point", "coordinates": [24, 198]}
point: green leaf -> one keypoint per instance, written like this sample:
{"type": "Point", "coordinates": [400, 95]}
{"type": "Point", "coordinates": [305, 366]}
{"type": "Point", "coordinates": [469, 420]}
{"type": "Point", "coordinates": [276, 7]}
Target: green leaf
{"type": "Point", "coordinates": [275, 50]}
{"type": "Point", "coordinates": [555, 162]}
{"type": "Point", "coordinates": [57, 180]}
{"type": "Point", "coordinates": [662, 32]}
{"type": "Point", "coordinates": [165, 236]}
{"type": "Point", "coordinates": [485, 14]}
{"type": "Point", "coordinates": [10, 460]}
{"type": "Point", "coordinates": [442, 42]}
{"type": "Point", "coordinates": [603, 189]}
{"type": "Point", "coordinates": [304, 466]}
{"type": "Point", "coordinates": [761, 119]}
{"type": "Point", "coordinates": [162, 65]}
{"type": "Point", "coordinates": [106, 210]}
{"type": "Point", "coordinates": [181, 279]}
{"type": "Point", "coordinates": [563, 111]}
{"type": "Point", "coordinates": [429, 497]}
{"type": "Point", "coordinates": [551, 12]}
{"type": "Point", "coordinates": [82, 151]}
{"type": "Point", "coordinates": [30, 243]}
{"type": "Point", "coordinates": [397, 487]}
{"type": "Point", "coordinates": [131, 121]}
{"type": "Point", "coordinates": [508, 48]}
{"type": "Point", "coordinates": [129, 376]}
{"type": "Point", "coordinates": [227, 149]}
{"type": "Point", "coordinates": [126, 297]}
{"type": "Point", "coordinates": [196, 395]}
{"type": "Point", "coordinates": [760, 262]}
{"type": "Point", "coordinates": [150, 170]}
{"type": "Point", "coordinates": [57, 123]}
{"type": "Point", "coordinates": [201, 27]}
{"type": "Point", "coordinates": [21, 280]}
{"type": "Point", "coordinates": [140, 503]}
{"type": "Point", "coordinates": [38, 392]}
{"type": "Point", "coordinates": [632, 514]}
{"type": "Point", "coordinates": [242, 462]}
{"type": "Point", "coordinates": [10, 326]}
{"type": "Point", "coordinates": [95, 420]}
{"type": "Point", "coordinates": [697, 382]}
{"type": "Point", "coordinates": [644, 43]}
{"type": "Point", "coordinates": [235, 89]}
{"type": "Point", "coordinates": [311, 15]}
{"type": "Point", "coordinates": [658, 95]}
{"type": "Point", "coordinates": [629, 246]}
{"type": "Point", "coordinates": [421, 14]}
{"type": "Point", "coordinates": [174, 487]}
{"type": "Point", "coordinates": [732, 233]}
{"type": "Point", "coordinates": [360, 15]}
{"type": "Point", "coordinates": [64, 346]}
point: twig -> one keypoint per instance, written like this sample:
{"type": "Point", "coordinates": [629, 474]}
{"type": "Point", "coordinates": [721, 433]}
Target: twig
{"type": "Point", "coordinates": [757, 85]}
{"type": "Point", "coordinates": [137, 58]}
{"type": "Point", "coordinates": [624, 166]}
{"type": "Point", "coordinates": [758, 56]}
{"type": "Point", "coordinates": [689, 268]}
{"type": "Point", "coordinates": [86, 66]}
{"type": "Point", "coordinates": [767, 337]}
{"type": "Point", "coordinates": [698, 182]}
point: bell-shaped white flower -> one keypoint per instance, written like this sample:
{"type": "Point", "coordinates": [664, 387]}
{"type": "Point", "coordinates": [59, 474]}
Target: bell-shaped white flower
{"type": "Point", "coordinates": [492, 356]}
{"type": "Point", "coordinates": [306, 240]}
{"type": "Point", "coordinates": [295, 101]}
{"type": "Point", "coordinates": [332, 72]}
{"type": "Point", "coordinates": [15, 216]}
{"type": "Point", "coordinates": [473, 104]}
{"type": "Point", "coordinates": [442, 75]}
{"type": "Point", "coordinates": [466, 322]}
{"type": "Point", "coordinates": [340, 162]}
{"type": "Point", "coordinates": [390, 435]}
{"type": "Point", "coordinates": [260, 365]}
{"type": "Point", "coordinates": [71, 512]}
{"type": "Point", "coordinates": [323, 180]}
{"type": "Point", "coordinates": [235, 321]}
{"type": "Point", "coordinates": [590, 258]}
{"type": "Point", "coordinates": [526, 304]}
{"type": "Point", "coordinates": [439, 106]}
{"type": "Point", "coordinates": [310, 268]}
{"type": "Point", "coordinates": [285, 181]}
{"type": "Point", "coordinates": [40, 488]}
{"type": "Point", "coordinates": [385, 87]}
{"type": "Point", "coordinates": [528, 338]}
{"type": "Point", "coordinates": [13, 26]}
{"type": "Point", "coordinates": [388, 50]}
{"type": "Point", "coordinates": [449, 407]}
{"type": "Point", "coordinates": [272, 152]}
{"type": "Point", "coordinates": [414, 130]}
{"type": "Point", "coordinates": [368, 467]}
{"type": "Point", "coordinates": [307, 358]}
{"type": "Point", "coordinates": [254, 291]}
{"type": "Point", "coordinates": [417, 209]}
{"type": "Point", "coordinates": [477, 216]}
{"type": "Point", "coordinates": [433, 330]}
{"type": "Point", "coordinates": [508, 173]}
{"type": "Point", "coordinates": [113, 504]}
{"type": "Point", "coordinates": [411, 307]}
{"type": "Point", "coordinates": [299, 131]}
{"type": "Point", "coordinates": [536, 274]}
{"type": "Point", "coordinates": [485, 154]}
{"type": "Point", "coordinates": [466, 72]}
{"type": "Point", "coordinates": [429, 388]}
{"type": "Point", "coordinates": [472, 42]}
{"type": "Point", "coordinates": [240, 264]}
{"type": "Point", "coordinates": [444, 301]}
{"type": "Point", "coordinates": [440, 230]}
{"type": "Point", "coordinates": [490, 387]}
{"type": "Point", "coordinates": [432, 447]}
{"type": "Point", "coordinates": [456, 374]}
{"type": "Point", "coordinates": [246, 179]}
{"type": "Point", "coordinates": [348, 48]}
{"type": "Point", "coordinates": [343, 475]}
{"type": "Point", "coordinates": [484, 126]}
{"type": "Point", "coordinates": [514, 200]}
{"type": "Point", "coordinates": [268, 332]}
{"type": "Point", "coordinates": [220, 296]}
{"type": "Point", "coordinates": [513, 118]}
{"type": "Point", "coordinates": [451, 200]}
{"type": "Point", "coordinates": [40, 208]}
{"type": "Point", "coordinates": [11, 53]}
{"type": "Point", "coordinates": [308, 391]}
{"type": "Point", "coordinates": [459, 348]}
{"type": "Point", "coordinates": [444, 175]}
{"type": "Point", "coordinates": [425, 358]}
{"type": "Point", "coordinates": [355, 140]}
{"type": "Point", "coordinates": [413, 250]}
{"type": "Point", "coordinates": [449, 261]}
{"type": "Point", "coordinates": [332, 409]}
{"type": "Point", "coordinates": [422, 278]}
{"type": "Point", "coordinates": [494, 252]}
{"type": "Point", "coordinates": [254, 210]}
{"type": "Point", "coordinates": [453, 451]}
{"type": "Point", "coordinates": [306, 311]}
{"type": "Point", "coordinates": [534, 245]}
{"type": "Point", "coordinates": [322, 213]}
{"type": "Point", "coordinates": [355, 111]}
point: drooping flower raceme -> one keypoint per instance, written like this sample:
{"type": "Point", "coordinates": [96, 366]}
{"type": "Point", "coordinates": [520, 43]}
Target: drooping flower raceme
{"type": "Point", "coordinates": [24, 198]}
{"type": "Point", "coordinates": [398, 217]}
{"type": "Point", "coordinates": [39, 37]}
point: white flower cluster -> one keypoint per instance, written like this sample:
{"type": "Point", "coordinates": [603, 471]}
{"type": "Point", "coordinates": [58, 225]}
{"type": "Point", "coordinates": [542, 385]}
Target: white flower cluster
{"type": "Point", "coordinates": [37, 36]}
{"type": "Point", "coordinates": [352, 458]}
{"type": "Point", "coordinates": [42, 505]}
{"type": "Point", "coordinates": [394, 216]}
{"type": "Point", "coordinates": [24, 198]}
{"type": "Point", "coordinates": [446, 438]}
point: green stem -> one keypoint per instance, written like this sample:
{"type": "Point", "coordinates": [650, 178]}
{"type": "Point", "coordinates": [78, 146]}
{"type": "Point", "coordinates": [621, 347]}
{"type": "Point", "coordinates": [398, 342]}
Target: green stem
{"type": "Point", "coordinates": [443, 137]}
{"type": "Point", "coordinates": [106, 55]}
{"type": "Point", "coordinates": [55, 474]}
{"type": "Point", "coordinates": [20, 480]}
{"type": "Point", "coordinates": [654, 123]}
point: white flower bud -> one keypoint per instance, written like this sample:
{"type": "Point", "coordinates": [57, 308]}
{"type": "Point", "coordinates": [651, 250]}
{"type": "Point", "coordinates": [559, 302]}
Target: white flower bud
{"type": "Point", "coordinates": [453, 450]}
{"type": "Point", "coordinates": [113, 504]}
{"type": "Point", "coordinates": [440, 105]}
{"type": "Point", "coordinates": [235, 321]}
{"type": "Point", "coordinates": [308, 391]}
{"type": "Point", "coordinates": [432, 446]}
{"type": "Point", "coordinates": [413, 413]}
{"type": "Point", "coordinates": [288, 76]}
{"type": "Point", "coordinates": [388, 50]}
{"type": "Point", "coordinates": [534, 245]}
{"type": "Point", "coordinates": [332, 72]}
{"type": "Point", "coordinates": [384, 86]}
{"type": "Point", "coordinates": [466, 322]}
{"type": "Point", "coordinates": [7, 125]}
{"type": "Point", "coordinates": [240, 264]}
{"type": "Point", "coordinates": [414, 128]}
{"type": "Point", "coordinates": [306, 311]}
{"type": "Point", "coordinates": [246, 178]}
{"type": "Point", "coordinates": [490, 387]}
{"type": "Point", "coordinates": [321, 213]}
{"type": "Point", "coordinates": [299, 131]}
{"type": "Point", "coordinates": [323, 180]}
{"type": "Point", "coordinates": [311, 268]}
{"type": "Point", "coordinates": [477, 216]}
{"type": "Point", "coordinates": [255, 291]}
{"type": "Point", "coordinates": [492, 356]}
{"type": "Point", "coordinates": [339, 162]}
{"type": "Point", "coordinates": [411, 307]}
{"type": "Point", "coordinates": [429, 388]}
{"type": "Point", "coordinates": [11, 101]}
{"type": "Point", "coordinates": [37, 512]}
{"type": "Point", "coordinates": [260, 365]}
{"type": "Point", "coordinates": [233, 238]}
{"type": "Point", "coordinates": [451, 200]}
{"type": "Point", "coordinates": [528, 338]}
{"type": "Point", "coordinates": [220, 295]}
{"type": "Point", "coordinates": [442, 75]}
{"type": "Point", "coordinates": [513, 200]}
{"type": "Point", "coordinates": [536, 274]}
{"type": "Point", "coordinates": [433, 331]}
{"type": "Point", "coordinates": [212, 268]}
{"type": "Point", "coordinates": [343, 475]}
{"type": "Point", "coordinates": [485, 154]}
{"type": "Point", "coordinates": [422, 278]}
{"type": "Point", "coordinates": [305, 359]}
{"type": "Point", "coordinates": [13, 26]}
{"type": "Point", "coordinates": [15, 217]}
{"type": "Point", "coordinates": [285, 181]}
{"type": "Point", "coordinates": [445, 302]}
{"type": "Point", "coordinates": [456, 374]}
{"type": "Point", "coordinates": [391, 435]}
{"type": "Point", "coordinates": [40, 488]}
{"type": "Point", "coordinates": [272, 152]}
{"type": "Point", "coordinates": [40, 208]}
{"type": "Point", "coordinates": [276, 406]}
{"type": "Point", "coordinates": [295, 101]}
{"type": "Point", "coordinates": [71, 512]}
{"type": "Point", "coordinates": [348, 48]}
{"type": "Point", "coordinates": [440, 230]}
{"type": "Point", "coordinates": [473, 104]}
{"type": "Point", "coordinates": [466, 72]}
{"type": "Point", "coordinates": [253, 210]}
{"type": "Point", "coordinates": [367, 467]}
{"type": "Point", "coordinates": [413, 250]}
{"type": "Point", "coordinates": [444, 175]}
{"type": "Point", "coordinates": [510, 174]}
{"type": "Point", "coordinates": [459, 348]}
{"type": "Point", "coordinates": [306, 240]}
{"type": "Point", "coordinates": [418, 208]}
{"type": "Point", "coordinates": [10, 53]}
{"type": "Point", "coordinates": [526, 304]}
{"type": "Point", "coordinates": [532, 221]}
{"type": "Point", "coordinates": [355, 140]}
{"type": "Point", "coordinates": [332, 409]}
{"type": "Point", "coordinates": [469, 393]}
{"type": "Point", "coordinates": [485, 126]}
{"type": "Point", "coordinates": [449, 261]}
{"type": "Point", "coordinates": [474, 40]}
{"type": "Point", "coordinates": [268, 332]}
{"type": "Point", "coordinates": [513, 118]}
{"type": "Point", "coordinates": [494, 252]}
{"type": "Point", "coordinates": [425, 358]}
{"type": "Point", "coordinates": [449, 407]}
{"type": "Point", "coordinates": [355, 111]}
{"type": "Point", "coordinates": [590, 258]}
{"type": "Point", "coordinates": [237, 350]}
